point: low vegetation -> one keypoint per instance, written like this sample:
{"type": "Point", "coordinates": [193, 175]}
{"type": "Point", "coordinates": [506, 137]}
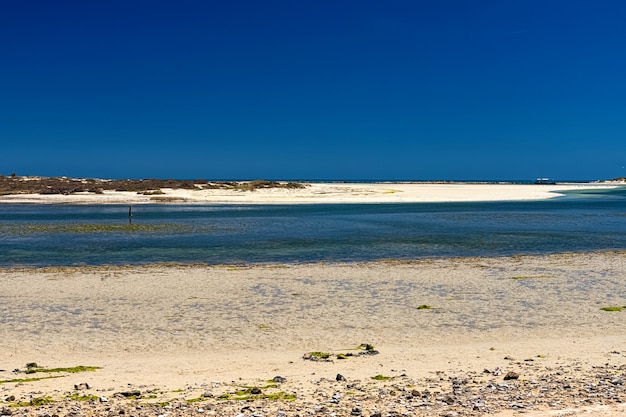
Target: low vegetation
{"type": "Point", "coordinates": [62, 185]}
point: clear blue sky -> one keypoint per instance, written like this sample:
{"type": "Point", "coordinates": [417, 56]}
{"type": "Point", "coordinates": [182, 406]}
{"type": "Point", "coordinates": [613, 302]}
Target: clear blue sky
{"type": "Point", "coordinates": [313, 89]}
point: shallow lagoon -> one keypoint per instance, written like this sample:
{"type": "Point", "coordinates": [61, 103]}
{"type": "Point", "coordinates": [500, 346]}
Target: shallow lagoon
{"type": "Point", "coordinates": [42, 235]}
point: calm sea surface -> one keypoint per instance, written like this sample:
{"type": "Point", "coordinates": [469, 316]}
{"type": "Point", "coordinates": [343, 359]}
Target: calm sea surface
{"type": "Point", "coordinates": [40, 235]}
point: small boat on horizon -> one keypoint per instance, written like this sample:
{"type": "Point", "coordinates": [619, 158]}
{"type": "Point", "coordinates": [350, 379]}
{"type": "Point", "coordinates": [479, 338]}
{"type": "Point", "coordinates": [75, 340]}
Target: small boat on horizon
{"type": "Point", "coordinates": [544, 181]}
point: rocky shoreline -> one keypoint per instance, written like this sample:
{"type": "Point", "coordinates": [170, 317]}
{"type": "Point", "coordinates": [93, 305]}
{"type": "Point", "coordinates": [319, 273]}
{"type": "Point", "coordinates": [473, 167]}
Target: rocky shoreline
{"type": "Point", "coordinates": [523, 386]}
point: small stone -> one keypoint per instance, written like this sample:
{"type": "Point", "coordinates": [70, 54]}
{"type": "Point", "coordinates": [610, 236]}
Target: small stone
{"type": "Point", "coordinates": [256, 391]}
{"type": "Point", "coordinates": [617, 381]}
{"type": "Point", "coordinates": [340, 377]}
{"type": "Point", "coordinates": [279, 379]}
{"type": "Point", "coordinates": [356, 411]}
{"type": "Point", "coordinates": [478, 406]}
{"type": "Point", "coordinates": [6, 411]}
{"type": "Point", "coordinates": [10, 398]}
{"type": "Point", "coordinates": [511, 375]}
{"type": "Point", "coordinates": [81, 386]}
{"type": "Point", "coordinates": [103, 399]}
{"type": "Point", "coordinates": [133, 393]}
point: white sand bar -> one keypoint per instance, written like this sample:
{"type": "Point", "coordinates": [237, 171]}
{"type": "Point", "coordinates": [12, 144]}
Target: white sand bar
{"type": "Point", "coordinates": [324, 193]}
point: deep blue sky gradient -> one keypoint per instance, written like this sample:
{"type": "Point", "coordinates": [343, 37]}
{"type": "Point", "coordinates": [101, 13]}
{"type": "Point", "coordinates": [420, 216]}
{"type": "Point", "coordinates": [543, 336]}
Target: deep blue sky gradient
{"type": "Point", "coordinates": [313, 89]}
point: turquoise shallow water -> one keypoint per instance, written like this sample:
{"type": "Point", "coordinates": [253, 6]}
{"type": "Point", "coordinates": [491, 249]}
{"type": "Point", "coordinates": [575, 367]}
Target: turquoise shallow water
{"type": "Point", "coordinates": [41, 235]}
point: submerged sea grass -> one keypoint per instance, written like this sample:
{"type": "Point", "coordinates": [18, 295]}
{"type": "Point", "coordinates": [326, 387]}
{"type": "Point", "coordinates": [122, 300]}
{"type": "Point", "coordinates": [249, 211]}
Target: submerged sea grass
{"type": "Point", "coordinates": [87, 228]}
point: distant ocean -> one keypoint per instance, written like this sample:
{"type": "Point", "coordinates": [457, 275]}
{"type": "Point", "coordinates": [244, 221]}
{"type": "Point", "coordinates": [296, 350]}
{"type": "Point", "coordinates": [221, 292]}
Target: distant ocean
{"type": "Point", "coordinates": [52, 235]}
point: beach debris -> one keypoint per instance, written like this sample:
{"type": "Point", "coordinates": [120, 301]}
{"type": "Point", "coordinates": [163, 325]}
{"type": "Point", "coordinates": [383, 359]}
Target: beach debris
{"type": "Point", "coordinates": [365, 349]}
{"type": "Point", "coordinates": [81, 386]}
{"type": "Point", "coordinates": [511, 375]}
{"type": "Point", "coordinates": [340, 377]}
{"type": "Point", "coordinates": [368, 349]}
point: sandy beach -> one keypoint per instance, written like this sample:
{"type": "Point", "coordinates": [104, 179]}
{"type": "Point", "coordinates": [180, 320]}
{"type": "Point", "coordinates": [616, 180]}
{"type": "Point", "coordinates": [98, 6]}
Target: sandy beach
{"type": "Point", "coordinates": [444, 334]}
{"type": "Point", "coordinates": [316, 193]}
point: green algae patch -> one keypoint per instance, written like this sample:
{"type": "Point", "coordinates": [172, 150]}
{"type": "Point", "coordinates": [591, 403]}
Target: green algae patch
{"type": "Point", "coordinates": [365, 346]}
{"type": "Point", "coordinates": [35, 402]}
{"type": "Point", "coordinates": [195, 400]}
{"type": "Point", "coordinates": [523, 277]}
{"type": "Point", "coordinates": [424, 307]}
{"type": "Point", "coordinates": [380, 377]}
{"type": "Point", "coordinates": [72, 370]}
{"type": "Point", "coordinates": [24, 380]}
{"type": "Point", "coordinates": [613, 308]}
{"type": "Point", "coordinates": [246, 393]}
{"type": "Point", "coordinates": [251, 390]}
{"type": "Point", "coordinates": [320, 355]}
{"type": "Point", "coordinates": [77, 397]}
{"type": "Point", "coordinates": [277, 396]}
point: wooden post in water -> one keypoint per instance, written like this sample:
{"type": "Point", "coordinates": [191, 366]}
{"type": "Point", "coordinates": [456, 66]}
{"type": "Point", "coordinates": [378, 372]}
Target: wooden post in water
{"type": "Point", "coordinates": [130, 214]}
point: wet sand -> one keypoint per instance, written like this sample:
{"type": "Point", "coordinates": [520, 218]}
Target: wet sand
{"type": "Point", "coordinates": [176, 333]}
